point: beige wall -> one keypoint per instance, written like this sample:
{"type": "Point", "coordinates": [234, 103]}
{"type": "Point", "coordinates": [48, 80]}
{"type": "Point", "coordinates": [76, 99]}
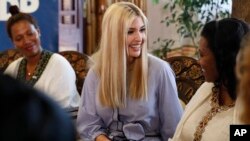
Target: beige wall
{"type": "Point", "coordinates": [155, 14]}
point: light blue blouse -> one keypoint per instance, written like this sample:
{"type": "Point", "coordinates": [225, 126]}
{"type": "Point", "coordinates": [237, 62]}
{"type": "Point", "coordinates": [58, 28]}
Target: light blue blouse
{"type": "Point", "coordinates": [156, 118]}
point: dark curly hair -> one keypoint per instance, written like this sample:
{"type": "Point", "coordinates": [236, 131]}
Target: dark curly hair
{"type": "Point", "coordinates": [224, 38]}
{"type": "Point", "coordinates": [17, 16]}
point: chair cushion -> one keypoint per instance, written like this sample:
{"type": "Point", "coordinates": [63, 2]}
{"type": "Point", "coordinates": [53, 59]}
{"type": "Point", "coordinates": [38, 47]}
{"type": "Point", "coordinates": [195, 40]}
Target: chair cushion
{"type": "Point", "coordinates": [189, 76]}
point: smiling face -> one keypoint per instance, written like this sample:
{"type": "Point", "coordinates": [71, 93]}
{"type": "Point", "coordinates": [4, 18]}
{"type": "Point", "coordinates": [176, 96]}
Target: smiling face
{"type": "Point", "coordinates": [207, 61]}
{"type": "Point", "coordinates": [136, 38]}
{"type": "Point", "coordinates": [26, 38]}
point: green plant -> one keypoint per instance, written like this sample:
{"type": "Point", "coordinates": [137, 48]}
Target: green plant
{"type": "Point", "coordinates": [163, 47]}
{"type": "Point", "coordinates": [189, 16]}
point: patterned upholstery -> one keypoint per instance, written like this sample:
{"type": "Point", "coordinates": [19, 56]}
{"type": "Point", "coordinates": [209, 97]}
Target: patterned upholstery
{"type": "Point", "coordinates": [77, 60]}
{"type": "Point", "coordinates": [7, 57]}
{"type": "Point", "coordinates": [189, 76]}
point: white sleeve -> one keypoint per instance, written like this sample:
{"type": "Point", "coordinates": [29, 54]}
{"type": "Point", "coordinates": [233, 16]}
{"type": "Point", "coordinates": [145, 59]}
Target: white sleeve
{"type": "Point", "coordinates": [59, 81]}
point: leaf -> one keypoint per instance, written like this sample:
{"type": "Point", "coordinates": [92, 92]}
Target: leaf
{"type": "Point", "coordinates": [172, 8]}
{"type": "Point", "coordinates": [155, 1]}
{"type": "Point", "coordinates": [166, 6]}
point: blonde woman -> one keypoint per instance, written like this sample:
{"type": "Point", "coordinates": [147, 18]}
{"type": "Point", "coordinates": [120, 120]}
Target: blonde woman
{"type": "Point", "coordinates": [242, 112]}
{"type": "Point", "coordinates": [127, 94]}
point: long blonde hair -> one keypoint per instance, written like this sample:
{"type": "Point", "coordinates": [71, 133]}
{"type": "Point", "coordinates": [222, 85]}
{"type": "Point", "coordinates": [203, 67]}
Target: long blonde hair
{"type": "Point", "coordinates": [110, 61]}
{"type": "Point", "coordinates": [243, 75]}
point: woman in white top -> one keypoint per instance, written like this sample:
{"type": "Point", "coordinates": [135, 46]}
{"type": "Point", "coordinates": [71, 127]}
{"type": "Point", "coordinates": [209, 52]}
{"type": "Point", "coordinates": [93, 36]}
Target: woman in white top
{"type": "Point", "coordinates": [44, 70]}
{"type": "Point", "coordinates": [208, 115]}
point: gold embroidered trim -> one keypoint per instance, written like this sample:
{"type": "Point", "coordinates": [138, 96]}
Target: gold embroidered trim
{"type": "Point", "coordinates": [21, 75]}
{"type": "Point", "coordinates": [215, 108]}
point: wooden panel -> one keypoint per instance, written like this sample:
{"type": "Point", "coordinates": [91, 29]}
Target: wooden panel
{"type": "Point", "coordinates": [241, 10]}
{"type": "Point", "coordinates": [91, 26]}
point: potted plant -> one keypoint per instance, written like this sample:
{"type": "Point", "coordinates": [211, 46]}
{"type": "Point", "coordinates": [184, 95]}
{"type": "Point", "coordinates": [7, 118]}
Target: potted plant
{"type": "Point", "coordinates": [188, 16]}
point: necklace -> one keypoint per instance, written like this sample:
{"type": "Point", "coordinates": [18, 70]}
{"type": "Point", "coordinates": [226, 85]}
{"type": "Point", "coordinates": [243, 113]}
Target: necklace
{"type": "Point", "coordinates": [36, 74]}
{"type": "Point", "coordinates": [215, 108]}
{"type": "Point", "coordinates": [29, 74]}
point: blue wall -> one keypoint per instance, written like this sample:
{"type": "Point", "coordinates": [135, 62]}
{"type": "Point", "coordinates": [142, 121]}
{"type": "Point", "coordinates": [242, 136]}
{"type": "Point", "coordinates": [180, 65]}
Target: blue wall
{"type": "Point", "coordinates": [46, 14]}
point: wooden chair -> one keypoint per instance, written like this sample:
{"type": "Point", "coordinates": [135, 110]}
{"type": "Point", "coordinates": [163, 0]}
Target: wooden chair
{"type": "Point", "coordinates": [189, 76]}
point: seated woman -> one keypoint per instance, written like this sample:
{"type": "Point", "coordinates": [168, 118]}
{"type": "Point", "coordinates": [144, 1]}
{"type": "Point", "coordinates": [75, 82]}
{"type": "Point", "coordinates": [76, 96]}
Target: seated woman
{"type": "Point", "coordinates": [128, 94]}
{"type": "Point", "coordinates": [242, 112]}
{"type": "Point", "coordinates": [44, 70]}
{"type": "Point", "coordinates": [209, 113]}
